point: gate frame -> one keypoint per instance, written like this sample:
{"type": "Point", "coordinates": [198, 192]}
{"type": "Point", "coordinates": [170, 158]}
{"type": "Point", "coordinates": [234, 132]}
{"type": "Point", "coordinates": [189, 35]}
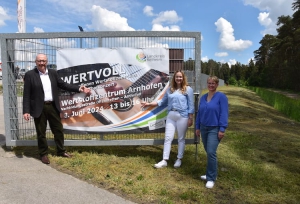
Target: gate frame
{"type": "Point", "coordinates": [12, 123]}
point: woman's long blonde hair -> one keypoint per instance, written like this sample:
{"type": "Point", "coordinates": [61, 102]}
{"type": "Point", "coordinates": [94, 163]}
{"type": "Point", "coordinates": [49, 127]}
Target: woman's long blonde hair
{"type": "Point", "coordinates": [184, 83]}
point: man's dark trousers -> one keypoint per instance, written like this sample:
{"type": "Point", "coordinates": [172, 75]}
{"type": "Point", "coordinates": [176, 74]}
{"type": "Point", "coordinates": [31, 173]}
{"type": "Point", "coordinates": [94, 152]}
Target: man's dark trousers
{"type": "Point", "coordinates": [50, 114]}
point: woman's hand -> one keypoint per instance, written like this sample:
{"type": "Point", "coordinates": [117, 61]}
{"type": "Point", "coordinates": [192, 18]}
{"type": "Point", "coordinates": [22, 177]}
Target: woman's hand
{"type": "Point", "coordinates": [144, 104]}
{"type": "Point", "coordinates": [221, 135]}
{"type": "Point", "coordinates": [198, 133]}
{"type": "Point", "coordinates": [190, 122]}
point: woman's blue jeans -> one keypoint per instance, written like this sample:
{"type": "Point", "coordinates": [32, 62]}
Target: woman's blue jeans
{"type": "Point", "coordinates": [210, 141]}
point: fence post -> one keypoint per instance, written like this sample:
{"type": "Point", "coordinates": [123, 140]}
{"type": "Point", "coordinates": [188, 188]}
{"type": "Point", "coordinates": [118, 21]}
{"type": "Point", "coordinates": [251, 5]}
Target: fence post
{"type": "Point", "coordinates": [196, 141]}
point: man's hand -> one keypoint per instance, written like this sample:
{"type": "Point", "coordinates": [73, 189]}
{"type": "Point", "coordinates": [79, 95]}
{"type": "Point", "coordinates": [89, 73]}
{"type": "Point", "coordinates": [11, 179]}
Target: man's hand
{"type": "Point", "coordinates": [26, 116]}
{"type": "Point", "coordinates": [84, 89]}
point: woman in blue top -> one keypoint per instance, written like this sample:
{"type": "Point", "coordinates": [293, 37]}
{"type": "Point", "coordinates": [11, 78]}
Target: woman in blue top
{"type": "Point", "coordinates": [212, 121]}
{"type": "Point", "coordinates": [179, 98]}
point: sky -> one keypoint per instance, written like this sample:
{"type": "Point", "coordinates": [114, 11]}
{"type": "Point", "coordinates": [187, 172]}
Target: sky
{"type": "Point", "coordinates": [230, 29]}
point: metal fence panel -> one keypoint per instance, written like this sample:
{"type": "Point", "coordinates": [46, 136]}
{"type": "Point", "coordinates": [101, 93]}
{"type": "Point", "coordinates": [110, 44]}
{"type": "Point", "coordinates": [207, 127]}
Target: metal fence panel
{"type": "Point", "coordinates": [19, 52]}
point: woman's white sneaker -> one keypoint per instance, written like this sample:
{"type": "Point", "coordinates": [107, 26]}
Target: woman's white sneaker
{"type": "Point", "coordinates": [210, 184]}
{"type": "Point", "coordinates": [177, 163]}
{"type": "Point", "coordinates": [161, 164]}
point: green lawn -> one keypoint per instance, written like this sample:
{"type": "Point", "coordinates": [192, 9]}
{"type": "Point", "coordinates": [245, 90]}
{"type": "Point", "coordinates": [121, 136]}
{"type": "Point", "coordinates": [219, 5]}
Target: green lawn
{"type": "Point", "coordinates": [259, 162]}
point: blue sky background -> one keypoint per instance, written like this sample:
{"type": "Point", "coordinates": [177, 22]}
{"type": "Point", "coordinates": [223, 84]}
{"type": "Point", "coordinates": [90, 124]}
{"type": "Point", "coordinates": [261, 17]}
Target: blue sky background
{"type": "Point", "coordinates": [230, 29]}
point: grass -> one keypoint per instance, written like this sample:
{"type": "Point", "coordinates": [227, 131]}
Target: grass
{"type": "Point", "coordinates": [259, 162]}
{"type": "Point", "coordinates": [287, 103]}
{"type": "Point", "coordinates": [18, 88]}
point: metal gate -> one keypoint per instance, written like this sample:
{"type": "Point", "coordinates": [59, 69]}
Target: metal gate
{"type": "Point", "coordinates": [18, 52]}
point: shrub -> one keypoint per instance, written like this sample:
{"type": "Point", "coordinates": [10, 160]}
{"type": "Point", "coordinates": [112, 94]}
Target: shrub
{"type": "Point", "coordinates": [232, 81]}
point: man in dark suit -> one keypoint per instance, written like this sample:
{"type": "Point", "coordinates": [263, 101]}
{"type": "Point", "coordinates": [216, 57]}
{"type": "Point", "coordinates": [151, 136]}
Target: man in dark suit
{"type": "Point", "coordinates": [41, 101]}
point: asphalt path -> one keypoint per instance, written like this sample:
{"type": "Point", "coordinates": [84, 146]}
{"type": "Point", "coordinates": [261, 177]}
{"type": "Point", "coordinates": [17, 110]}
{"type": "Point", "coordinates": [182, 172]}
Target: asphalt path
{"type": "Point", "coordinates": [26, 180]}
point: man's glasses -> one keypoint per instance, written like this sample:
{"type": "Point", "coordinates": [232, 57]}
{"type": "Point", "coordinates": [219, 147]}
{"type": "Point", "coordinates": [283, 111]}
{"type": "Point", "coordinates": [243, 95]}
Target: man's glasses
{"type": "Point", "coordinates": [39, 61]}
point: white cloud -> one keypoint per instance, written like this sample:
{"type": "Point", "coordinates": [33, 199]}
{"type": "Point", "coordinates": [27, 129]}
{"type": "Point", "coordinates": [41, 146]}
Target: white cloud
{"type": "Point", "coordinates": [266, 21]}
{"type": "Point", "coordinates": [110, 15]}
{"type": "Point", "coordinates": [105, 20]}
{"type": "Point", "coordinates": [38, 30]}
{"type": "Point", "coordinates": [252, 58]}
{"type": "Point", "coordinates": [271, 10]}
{"type": "Point", "coordinates": [170, 17]}
{"type": "Point", "coordinates": [227, 39]}
{"type": "Point", "coordinates": [221, 54]}
{"type": "Point", "coordinates": [3, 16]}
{"type": "Point", "coordinates": [70, 13]}
{"type": "Point", "coordinates": [148, 11]}
{"type": "Point", "coordinates": [204, 59]}
{"type": "Point", "coordinates": [159, 27]}
{"type": "Point", "coordinates": [263, 19]}
{"type": "Point", "coordinates": [164, 21]}
{"type": "Point", "coordinates": [232, 62]}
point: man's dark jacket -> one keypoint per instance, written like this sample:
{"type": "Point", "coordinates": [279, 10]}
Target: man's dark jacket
{"type": "Point", "coordinates": [33, 96]}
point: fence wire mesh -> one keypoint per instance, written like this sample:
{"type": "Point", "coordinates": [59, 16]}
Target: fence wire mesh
{"type": "Point", "coordinates": [18, 56]}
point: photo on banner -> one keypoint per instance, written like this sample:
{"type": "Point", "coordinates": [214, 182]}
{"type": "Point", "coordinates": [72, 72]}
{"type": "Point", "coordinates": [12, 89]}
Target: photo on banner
{"type": "Point", "coordinates": [119, 80]}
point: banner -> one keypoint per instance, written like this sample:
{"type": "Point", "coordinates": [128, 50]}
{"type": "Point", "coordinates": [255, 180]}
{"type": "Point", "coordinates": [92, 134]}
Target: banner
{"type": "Point", "coordinates": [119, 79]}
{"type": "Point", "coordinates": [21, 16]}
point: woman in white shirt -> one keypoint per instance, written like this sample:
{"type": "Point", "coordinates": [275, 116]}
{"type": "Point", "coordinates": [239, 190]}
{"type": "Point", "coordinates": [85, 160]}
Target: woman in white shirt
{"type": "Point", "coordinates": [180, 101]}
